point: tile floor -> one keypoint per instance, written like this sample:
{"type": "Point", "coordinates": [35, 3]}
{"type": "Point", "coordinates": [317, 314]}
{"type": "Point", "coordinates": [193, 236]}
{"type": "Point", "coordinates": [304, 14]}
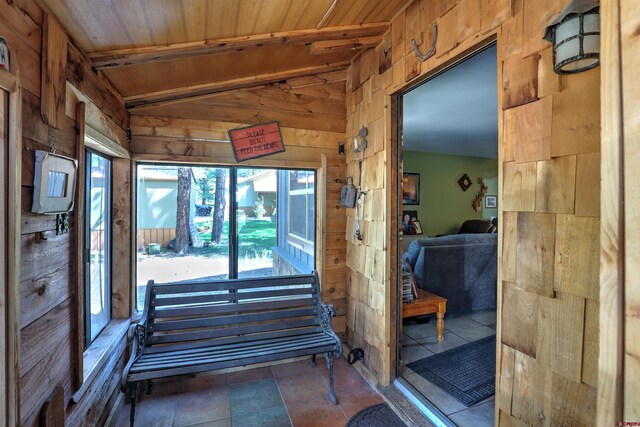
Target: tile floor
{"type": "Point", "coordinates": [291, 394]}
{"type": "Point", "coordinates": [420, 341]}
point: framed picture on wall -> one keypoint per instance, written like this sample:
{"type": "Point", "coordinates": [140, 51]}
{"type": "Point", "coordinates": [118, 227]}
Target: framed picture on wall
{"type": "Point", "coordinates": [490, 201]}
{"type": "Point", "coordinates": [410, 188]}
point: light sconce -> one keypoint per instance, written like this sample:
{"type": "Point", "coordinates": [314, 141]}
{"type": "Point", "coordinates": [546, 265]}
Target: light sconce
{"type": "Point", "coordinates": [575, 35]}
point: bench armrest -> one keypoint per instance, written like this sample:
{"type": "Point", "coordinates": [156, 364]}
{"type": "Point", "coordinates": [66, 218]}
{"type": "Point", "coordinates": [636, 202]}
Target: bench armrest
{"type": "Point", "coordinates": [138, 334]}
{"type": "Point", "coordinates": [327, 311]}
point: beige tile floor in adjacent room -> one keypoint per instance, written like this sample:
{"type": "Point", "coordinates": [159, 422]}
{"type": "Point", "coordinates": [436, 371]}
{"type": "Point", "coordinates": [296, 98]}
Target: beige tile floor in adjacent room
{"type": "Point", "coordinates": [420, 341]}
{"type": "Point", "coordinates": [290, 394]}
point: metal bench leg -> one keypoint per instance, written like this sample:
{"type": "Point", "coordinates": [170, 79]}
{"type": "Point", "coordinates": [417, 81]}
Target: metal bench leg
{"type": "Point", "coordinates": [332, 394]}
{"type": "Point", "coordinates": [149, 387]}
{"type": "Point", "coordinates": [312, 361]}
{"type": "Point", "coordinates": [134, 394]}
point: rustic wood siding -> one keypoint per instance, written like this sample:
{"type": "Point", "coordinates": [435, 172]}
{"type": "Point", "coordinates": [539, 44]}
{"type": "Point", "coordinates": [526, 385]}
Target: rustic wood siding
{"type": "Point", "coordinates": [549, 160]}
{"type": "Point", "coordinates": [48, 271]}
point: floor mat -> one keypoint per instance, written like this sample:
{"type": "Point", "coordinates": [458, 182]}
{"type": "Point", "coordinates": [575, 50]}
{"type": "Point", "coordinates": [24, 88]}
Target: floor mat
{"type": "Point", "coordinates": [380, 415]}
{"type": "Point", "coordinates": [467, 373]}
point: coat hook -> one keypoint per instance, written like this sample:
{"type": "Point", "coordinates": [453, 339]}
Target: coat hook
{"type": "Point", "coordinates": [432, 49]}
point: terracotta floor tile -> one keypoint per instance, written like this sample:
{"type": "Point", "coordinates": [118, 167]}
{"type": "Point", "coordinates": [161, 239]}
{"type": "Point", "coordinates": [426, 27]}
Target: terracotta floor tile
{"type": "Point", "coordinates": [200, 406]}
{"type": "Point", "coordinates": [250, 375]}
{"type": "Point", "coordinates": [353, 402]}
{"type": "Point", "coordinates": [345, 377]}
{"type": "Point", "coordinates": [293, 368]}
{"type": "Point", "coordinates": [302, 387]}
{"type": "Point", "coordinates": [316, 412]}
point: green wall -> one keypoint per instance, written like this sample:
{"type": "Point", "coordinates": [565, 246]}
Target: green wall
{"type": "Point", "coordinates": [443, 205]}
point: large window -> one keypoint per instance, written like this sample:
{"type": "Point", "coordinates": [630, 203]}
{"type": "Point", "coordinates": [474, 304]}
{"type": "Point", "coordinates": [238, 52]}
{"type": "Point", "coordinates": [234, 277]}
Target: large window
{"type": "Point", "coordinates": [97, 245]}
{"type": "Point", "coordinates": [213, 223]}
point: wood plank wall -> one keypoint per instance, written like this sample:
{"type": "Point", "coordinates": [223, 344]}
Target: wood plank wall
{"type": "Point", "coordinates": [550, 192]}
{"type": "Point", "coordinates": [48, 305]}
{"type": "Point", "coordinates": [168, 139]}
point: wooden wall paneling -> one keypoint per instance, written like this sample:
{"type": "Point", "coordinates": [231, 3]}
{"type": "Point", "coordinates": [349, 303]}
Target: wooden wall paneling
{"type": "Point", "coordinates": [54, 61]}
{"type": "Point", "coordinates": [446, 36]}
{"type": "Point", "coordinates": [588, 185]}
{"type": "Point", "coordinates": [494, 13]}
{"type": "Point", "coordinates": [590, 343]}
{"type": "Point", "coordinates": [548, 80]}
{"type": "Point", "coordinates": [509, 245]}
{"type": "Point", "coordinates": [526, 405]}
{"type": "Point", "coordinates": [507, 371]}
{"type": "Point", "coordinates": [576, 116]}
{"type": "Point", "coordinates": [535, 252]}
{"type": "Point", "coordinates": [47, 331]}
{"type": "Point", "coordinates": [574, 403]}
{"type": "Point", "coordinates": [24, 19]}
{"type": "Point", "coordinates": [52, 413]}
{"type": "Point", "coordinates": [519, 319]}
{"type": "Point", "coordinates": [519, 186]}
{"type": "Point", "coordinates": [4, 243]}
{"type": "Point", "coordinates": [384, 52]}
{"type": "Point", "coordinates": [56, 369]}
{"type": "Point", "coordinates": [512, 31]}
{"type": "Point", "coordinates": [121, 238]}
{"type": "Point", "coordinates": [446, 5]}
{"type": "Point", "coordinates": [528, 129]}
{"type": "Point", "coordinates": [24, 58]}
{"type": "Point", "coordinates": [413, 32]}
{"type": "Point", "coordinates": [577, 253]}
{"type": "Point", "coordinates": [95, 86]}
{"type": "Point", "coordinates": [611, 397]}
{"type": "Point", "coordinates": [556, 187]}
{"type": "Point", "coordinates": [397, 38]}
{"type": "Point", "coordinates": [537, 14]}
{"type": "Point", "coordinates": [33, 128]}
{"type": "Point", "coordinates": [520, 82]}
{"type": "Point", "coordinates": [468, 19]}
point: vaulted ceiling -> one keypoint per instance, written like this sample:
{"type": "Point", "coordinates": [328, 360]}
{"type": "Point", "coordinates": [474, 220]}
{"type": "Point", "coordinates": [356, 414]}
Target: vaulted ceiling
{"type": "Point", "coordinates": [207, 58]}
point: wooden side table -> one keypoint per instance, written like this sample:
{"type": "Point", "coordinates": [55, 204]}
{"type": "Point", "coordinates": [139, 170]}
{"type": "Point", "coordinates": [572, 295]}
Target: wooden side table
{"type": "Point", "coordinates": [427, 303]}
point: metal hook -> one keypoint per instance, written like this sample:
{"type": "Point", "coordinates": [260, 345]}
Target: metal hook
{"type": "Point", "coordinates": [432, 49]}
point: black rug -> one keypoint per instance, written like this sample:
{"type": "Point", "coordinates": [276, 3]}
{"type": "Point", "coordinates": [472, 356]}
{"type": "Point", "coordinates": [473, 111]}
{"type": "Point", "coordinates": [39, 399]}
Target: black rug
{"type": "Point", "coordinates": [467, 373]}
{"type": "Point", "coordinates": [380, 415]}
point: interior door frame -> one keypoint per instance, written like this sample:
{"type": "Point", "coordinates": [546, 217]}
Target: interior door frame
{"type": "Point", "coordinates": [10, 283]}
{"type": "Point", "coordinates": [395, 197]}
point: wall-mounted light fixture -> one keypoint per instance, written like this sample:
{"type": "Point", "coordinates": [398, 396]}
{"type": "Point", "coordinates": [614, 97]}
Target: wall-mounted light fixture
{"type": "Point", "coordinates": [575, 35]}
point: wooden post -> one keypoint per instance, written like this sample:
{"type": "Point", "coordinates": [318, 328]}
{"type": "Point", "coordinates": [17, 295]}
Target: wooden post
{"type": "Point", "coordinates": [79, 207]}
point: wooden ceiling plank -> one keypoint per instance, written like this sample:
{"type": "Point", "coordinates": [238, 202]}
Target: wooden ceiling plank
{"type": "Point", "coordinates": [331, 46]}
{"type": "Point", "coordinates": [327, 15]}
{"type": "Point", "coordinates": [140, 55]}
{"type": "Point", "coordinates": [190, 92]}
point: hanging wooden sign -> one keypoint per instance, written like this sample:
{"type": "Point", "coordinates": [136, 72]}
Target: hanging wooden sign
{"type": "Point", "coordinates": [256, 141]}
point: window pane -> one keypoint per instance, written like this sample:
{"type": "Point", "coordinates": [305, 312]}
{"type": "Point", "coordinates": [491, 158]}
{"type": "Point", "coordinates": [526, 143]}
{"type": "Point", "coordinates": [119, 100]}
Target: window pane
{"type": "Point", "coordinates": [98, 225]}
{"type": "Point", "coordinates": [182, 224]}
{"type": "Point", "coordinates": [256, 197]}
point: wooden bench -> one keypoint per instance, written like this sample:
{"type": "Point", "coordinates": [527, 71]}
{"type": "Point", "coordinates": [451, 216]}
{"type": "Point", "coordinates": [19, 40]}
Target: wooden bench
{"type": "Point", "coordinates": [192, 327]}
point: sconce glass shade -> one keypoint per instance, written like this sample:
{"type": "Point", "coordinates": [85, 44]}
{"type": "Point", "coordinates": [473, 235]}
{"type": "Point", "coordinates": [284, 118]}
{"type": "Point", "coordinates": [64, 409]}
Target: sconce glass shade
{"type": "Point", "coordinates": [576, 42]}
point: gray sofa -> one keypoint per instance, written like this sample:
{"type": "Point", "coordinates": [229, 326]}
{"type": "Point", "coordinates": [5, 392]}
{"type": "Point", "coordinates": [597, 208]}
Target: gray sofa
{"type": "Point", "coordinates": [459, 267]}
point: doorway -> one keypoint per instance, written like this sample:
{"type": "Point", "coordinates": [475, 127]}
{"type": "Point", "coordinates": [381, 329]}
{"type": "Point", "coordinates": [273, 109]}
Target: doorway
{"type": "Point", "coordinates": [447, 242]}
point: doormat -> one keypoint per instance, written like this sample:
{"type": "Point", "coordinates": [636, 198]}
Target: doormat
{"type": "Point", "coordinates": [467, 373]}
{"type": "Point", "coordinates": [380, 415]}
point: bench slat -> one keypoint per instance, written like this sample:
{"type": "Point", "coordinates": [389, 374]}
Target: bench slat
{"type": "Point", "coordinates": [211, 356]}
{"type": "Point", "coordinates": [229, 296]}
{"type": "Point", "coordinates": [220, 347]}
{"type": "Point", "coordinates": [140, 376]}
{"type": "Point", "coordinates": [250, 331]}
{"type": "Point", "coordinates": [222, 304]}
{"type": "Point", "coordinates": [246, 349]}
{"type": "Point", "coordinates": [233, 284]}
{"type": "Point", "coordinates": [232, 299]}
{"type": "Point", "coordinates": [229, 320]}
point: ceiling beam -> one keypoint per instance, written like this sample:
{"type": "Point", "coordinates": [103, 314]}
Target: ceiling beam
{"type": "Point", "coordinates": [141, 55]}
{"type": "Point", "coordinates": [169, 96]}
{"type": "Point", "coordinates": [331, 46]}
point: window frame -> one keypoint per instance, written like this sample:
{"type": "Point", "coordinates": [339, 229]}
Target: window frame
{"type": "Point", "coordinates": [305, 245]}
{"type": "Point", "coordinates": [86, 247]}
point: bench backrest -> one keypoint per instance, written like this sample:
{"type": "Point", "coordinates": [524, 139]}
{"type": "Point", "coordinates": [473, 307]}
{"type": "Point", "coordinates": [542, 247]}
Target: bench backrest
{"type": "Point", "coordinates": [199, 314]}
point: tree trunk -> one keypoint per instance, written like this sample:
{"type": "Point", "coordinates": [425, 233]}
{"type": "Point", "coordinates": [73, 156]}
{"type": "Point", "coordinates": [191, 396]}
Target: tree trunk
{"type": "Point", "coordinates": [218, 207]}
{"type": "Point", "coordinates": [182, 214]}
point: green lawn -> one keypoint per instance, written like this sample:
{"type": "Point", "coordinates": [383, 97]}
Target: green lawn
{"type": "Point", "coordinates": [254, 238]}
